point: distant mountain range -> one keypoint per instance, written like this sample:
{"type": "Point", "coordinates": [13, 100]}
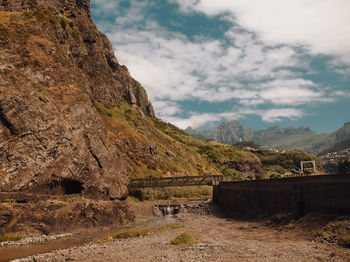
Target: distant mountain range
{"type": "Point", "coordinates": [282, 138]}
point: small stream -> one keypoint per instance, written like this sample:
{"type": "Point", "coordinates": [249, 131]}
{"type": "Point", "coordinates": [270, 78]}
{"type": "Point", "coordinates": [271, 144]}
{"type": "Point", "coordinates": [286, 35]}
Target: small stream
{"type": "Point", "coordinates": [14, 252]}
{"type": "Point", "coordinates": [167, 210]}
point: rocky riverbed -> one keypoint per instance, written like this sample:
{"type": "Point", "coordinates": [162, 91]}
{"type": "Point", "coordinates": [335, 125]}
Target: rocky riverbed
{"type": "Point", "coordinates": [216, 239]}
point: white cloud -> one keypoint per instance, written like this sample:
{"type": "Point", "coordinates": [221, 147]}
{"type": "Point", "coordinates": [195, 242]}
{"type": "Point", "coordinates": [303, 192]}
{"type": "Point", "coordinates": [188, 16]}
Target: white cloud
{"type": "Point", "coordinates": [275, 115]}
{"type": "Point", "coordinates": [287, 96]}
{"type": "Point", "coordinates": [342, 93]}
{"type": "Point", "coordinates": [196, 120]}
{"type": "Point", "coordinates": [320, 24]}
{"type": "Point", "coordinates": [105, 7]}
{"type": "Point", "coordinates": [166, 108]}
{"type": "Point", "coordinates": [200, 119]}
{"type": "Point", "coordinates": [174, 68]}
{"type": "Point", "coordinates": [246, 68]}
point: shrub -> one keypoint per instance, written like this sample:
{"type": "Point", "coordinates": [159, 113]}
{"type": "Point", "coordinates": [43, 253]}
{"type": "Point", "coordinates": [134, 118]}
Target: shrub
{"type": "Point", "coordinates": [233, 173]}
{"type": "Point", "coordinates": [75, 35]}
{"type": "Point", "coordinates": [290, 225]}
{"type": "Point", "coordinates": [245, 144]}
{"type": "Point", "coordinates": [345, 240]}
{"type": "Point", "coordinates": [121, 216]}
{"type": "Point", "coordinates": [53, 20]}
{"type": "Point", "coordinates": [319, 233]}
{"type": "Point", "coordinates": [273, 176]}
{"type": "Point", "coordinates": [171, 192]}
{"type": "Point", "coordinates": [64, 23]}
{"type": "Point", "coordinates": [183, 239]}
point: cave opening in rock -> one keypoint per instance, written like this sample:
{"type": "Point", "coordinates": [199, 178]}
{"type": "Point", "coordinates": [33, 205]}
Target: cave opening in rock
{"type": "Point", "coordinates": [71, 186]}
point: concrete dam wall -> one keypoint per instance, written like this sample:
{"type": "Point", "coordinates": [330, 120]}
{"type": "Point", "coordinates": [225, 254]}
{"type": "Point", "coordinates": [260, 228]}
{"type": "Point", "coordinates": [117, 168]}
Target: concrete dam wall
{"type": "Point", "coordinates": [328, 194]}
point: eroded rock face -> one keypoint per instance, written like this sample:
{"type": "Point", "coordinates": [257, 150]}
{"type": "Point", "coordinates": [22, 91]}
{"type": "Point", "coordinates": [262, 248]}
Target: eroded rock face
{"type": "Point", "coordinates": [54, 66]}
{"type": "Point", "coordinates": [51, 214]}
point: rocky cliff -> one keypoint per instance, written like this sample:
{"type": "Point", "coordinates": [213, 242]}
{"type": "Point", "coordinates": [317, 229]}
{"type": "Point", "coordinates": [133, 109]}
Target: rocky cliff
{"type": "Point", "coordinates": [54, 67]}
{"type": "Point", "coordinates": [72, 119]}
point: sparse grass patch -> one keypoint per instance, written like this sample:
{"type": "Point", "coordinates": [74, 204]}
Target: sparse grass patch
{"type": "Point", "coordinates": [132, 233]}
{"type": "Point", "coordinates": [183, 239]}
{"type": "Point", "coordinates": [291, 225]}
{"type": "Point", "coordinates": [122, 111]}
{"type": "Point", "coordinates": [11, 237]}
{"type": "Point", "coordinates": [319, 233]}
{"type": "Point", "coordinates": [121, 216]}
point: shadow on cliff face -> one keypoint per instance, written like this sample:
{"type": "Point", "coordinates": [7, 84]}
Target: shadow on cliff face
{"type": "Point", "coordinates": [66, 186]}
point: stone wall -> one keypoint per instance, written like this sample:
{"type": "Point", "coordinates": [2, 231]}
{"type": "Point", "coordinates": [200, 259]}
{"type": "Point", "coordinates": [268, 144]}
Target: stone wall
{"type": "Point", "coordinates": [299, 195]}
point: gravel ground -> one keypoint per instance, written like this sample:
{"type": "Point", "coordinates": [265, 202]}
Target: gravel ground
{"type": "Point", "coordinates": [217, 239]}
{"type": "Point", "coordinates": [33, 240]}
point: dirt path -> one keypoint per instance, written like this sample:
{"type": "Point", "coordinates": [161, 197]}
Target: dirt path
{"type": "Point", "coordinates": [218, 239]}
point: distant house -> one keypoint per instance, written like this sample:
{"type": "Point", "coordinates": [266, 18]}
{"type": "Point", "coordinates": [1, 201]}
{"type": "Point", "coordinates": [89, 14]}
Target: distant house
{"type": "Point", "coordinates": [251, 149]}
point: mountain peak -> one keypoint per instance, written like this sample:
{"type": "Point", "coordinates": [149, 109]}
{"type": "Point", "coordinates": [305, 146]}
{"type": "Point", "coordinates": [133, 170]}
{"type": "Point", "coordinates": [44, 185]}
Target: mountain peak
{"type": "Point", "coordinates": [290, 138]}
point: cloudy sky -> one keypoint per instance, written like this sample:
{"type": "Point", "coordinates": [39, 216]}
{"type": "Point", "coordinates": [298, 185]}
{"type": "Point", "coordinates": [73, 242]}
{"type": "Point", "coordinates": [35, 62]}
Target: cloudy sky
{"type": "Point", "coordinates": [264, 63]}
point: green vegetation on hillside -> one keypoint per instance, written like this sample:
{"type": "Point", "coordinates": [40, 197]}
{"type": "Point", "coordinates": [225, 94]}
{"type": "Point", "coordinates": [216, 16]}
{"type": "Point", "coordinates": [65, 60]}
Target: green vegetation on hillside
{"type": "Point", "coordinates": [190, 156]}
{"type": "Point", "coordinates": [172, 192]}
{"type": "Point", "coordinates": [337, 147]}
{"type": "Point", "coordinates": [287, 160]}
{"type": "Point", "coordinates": [176, 152]}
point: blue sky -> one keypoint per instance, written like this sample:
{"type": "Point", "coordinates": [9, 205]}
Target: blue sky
{"type": "Point", "coordinates": [263, 63]}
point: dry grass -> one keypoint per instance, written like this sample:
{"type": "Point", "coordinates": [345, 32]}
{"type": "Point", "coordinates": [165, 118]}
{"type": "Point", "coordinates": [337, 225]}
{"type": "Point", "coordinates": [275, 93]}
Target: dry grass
{"type": "Point", "coordinates": [183, 239]}
{"type": "Point", "coordinates": [5, 16]}
{"type": "Point", "coordinates": [11, 237]}
{"type": "Point", "coordinates": [143, 231]}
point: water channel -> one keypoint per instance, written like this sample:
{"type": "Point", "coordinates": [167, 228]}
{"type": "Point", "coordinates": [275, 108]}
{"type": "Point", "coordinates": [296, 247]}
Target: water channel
{"type": "Point", "coordinates": [21, 251]}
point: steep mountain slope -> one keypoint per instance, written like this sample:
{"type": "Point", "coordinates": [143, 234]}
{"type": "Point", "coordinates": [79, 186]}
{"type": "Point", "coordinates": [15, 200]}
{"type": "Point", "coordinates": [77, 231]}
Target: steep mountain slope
{"type": "Point", "coordinates": [337, 147]}
{"type": "Point", "coordinates": [283, 138]}
{"type": "Point", "coordinates": [73, 120]}
{"type": "Point", "coordinates": [342, 133]}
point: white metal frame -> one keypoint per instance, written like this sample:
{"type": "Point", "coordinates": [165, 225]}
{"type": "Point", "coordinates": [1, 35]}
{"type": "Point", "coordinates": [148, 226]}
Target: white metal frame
{"type": "Point", "coordinates": [307, 162]}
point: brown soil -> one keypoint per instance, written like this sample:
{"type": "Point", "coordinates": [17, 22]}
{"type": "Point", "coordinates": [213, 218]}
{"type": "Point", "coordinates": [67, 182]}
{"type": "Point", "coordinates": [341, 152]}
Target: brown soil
{"type": "Point", "coordinates": [217, 239]}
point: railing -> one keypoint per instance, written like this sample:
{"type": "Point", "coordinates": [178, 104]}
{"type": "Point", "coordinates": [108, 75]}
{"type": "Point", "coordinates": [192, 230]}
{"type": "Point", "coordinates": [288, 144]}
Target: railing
{"type": "Point", "coordinates": [209, 180]}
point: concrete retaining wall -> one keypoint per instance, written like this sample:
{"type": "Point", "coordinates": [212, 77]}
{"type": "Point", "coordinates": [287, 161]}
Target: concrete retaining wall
{"type": "Point", "coordinates": [297, 195]}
